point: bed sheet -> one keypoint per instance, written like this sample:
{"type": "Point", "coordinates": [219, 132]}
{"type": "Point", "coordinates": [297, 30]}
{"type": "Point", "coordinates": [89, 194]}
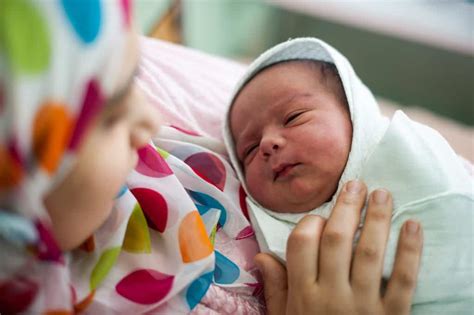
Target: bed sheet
{"type": "Point", "coordinates": [190, 88]}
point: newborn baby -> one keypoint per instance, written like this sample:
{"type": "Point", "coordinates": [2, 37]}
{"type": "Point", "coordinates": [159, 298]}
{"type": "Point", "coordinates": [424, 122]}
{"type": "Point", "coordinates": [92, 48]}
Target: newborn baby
{"type": "Point", "coordinates": [294, 148]}
{"type": "Point", "coordinates": [301, 124]}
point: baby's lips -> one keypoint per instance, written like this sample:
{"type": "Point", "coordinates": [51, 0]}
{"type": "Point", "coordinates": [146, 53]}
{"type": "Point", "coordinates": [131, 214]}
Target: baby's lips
{"type": "Point", "coordinates": [283, 169]}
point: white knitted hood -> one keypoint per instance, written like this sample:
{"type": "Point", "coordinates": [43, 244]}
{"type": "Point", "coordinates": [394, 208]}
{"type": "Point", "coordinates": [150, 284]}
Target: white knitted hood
{"type": "Point", "coordinates": [368, 128]}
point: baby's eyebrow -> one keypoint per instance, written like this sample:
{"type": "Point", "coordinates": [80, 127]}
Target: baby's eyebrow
{"type": "Point", "coordinates": [284, 102]}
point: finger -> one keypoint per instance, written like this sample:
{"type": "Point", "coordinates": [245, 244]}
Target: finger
{"type": "Point", "coordinates": [275, 284]}
{"type": "Point", "coordinates": [369, 255]}
{"type": "Point", "coordinates": [338, 234]}
{"type": "Point", "coordinates": [402, 283]}
{"type": "Point", "coordinates": [302, 251]}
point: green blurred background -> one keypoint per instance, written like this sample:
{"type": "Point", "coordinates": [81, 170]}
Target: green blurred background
{"type": "Point", "coordinates": [406, 69]}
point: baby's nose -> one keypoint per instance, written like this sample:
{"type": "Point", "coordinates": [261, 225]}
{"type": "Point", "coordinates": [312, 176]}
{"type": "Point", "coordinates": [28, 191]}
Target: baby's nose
{"type": "Point", "coordinates": [271, 144]}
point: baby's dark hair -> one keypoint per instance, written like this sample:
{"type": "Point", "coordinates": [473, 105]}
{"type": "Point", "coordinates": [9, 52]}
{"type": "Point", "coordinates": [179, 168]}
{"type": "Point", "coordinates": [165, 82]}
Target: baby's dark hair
{"type": "Point", "coordinates": [330, 77]}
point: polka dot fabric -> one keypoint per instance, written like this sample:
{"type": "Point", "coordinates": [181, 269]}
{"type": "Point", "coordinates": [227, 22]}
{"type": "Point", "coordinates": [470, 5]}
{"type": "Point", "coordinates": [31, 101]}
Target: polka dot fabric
{"type": "Point", "coordinates": [171, 236]}
{"type": "Point", "coordinates": [211, 185]}
{"type": "Point", "coordinates": [176, 228]}
{"type": "Point", "coordinates": [44, 110]}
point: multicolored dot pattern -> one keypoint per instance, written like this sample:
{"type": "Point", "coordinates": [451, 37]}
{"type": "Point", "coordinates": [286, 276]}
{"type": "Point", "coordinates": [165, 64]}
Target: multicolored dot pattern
{"type": "Point", "coordinates": [131, 265]}
{"type": "Point", "coordinates": [25, 37]}
{"type": "Point", "coordinates": [145, 286]}
{"type": "Point", "coordinates": [85, 17]}
{"type": "Point", "coordinates": [177, 227]}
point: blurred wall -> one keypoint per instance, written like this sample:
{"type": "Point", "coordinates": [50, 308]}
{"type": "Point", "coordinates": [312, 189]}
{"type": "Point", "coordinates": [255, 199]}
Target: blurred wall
{"type": "Point", "coordinates": [408, 72]}
{"type": "Point", "coordinates": [147, 13]}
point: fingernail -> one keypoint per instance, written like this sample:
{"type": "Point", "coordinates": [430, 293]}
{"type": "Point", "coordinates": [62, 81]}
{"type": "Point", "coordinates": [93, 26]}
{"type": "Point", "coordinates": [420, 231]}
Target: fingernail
{"type": "Point", "coordinates": [354, 186]}
{"type": "Point", "coordinates": [412, 227]}
{"type": "Point", "coordinates": [380, 196]}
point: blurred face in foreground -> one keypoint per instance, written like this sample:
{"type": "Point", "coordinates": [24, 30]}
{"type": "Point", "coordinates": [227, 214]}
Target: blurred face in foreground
{"type": "Point", "coordinates": [108, 151]}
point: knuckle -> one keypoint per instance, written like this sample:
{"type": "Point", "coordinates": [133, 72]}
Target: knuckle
{"type": "Point", "coordinates": [333, 237]}
{"type": "Point", "coordinates": [300, 236]}
{"type": "Point", "coordinates": [349, 199]}
{"type": "Point", "coordinates": [369, 253]}
{"type": "Point", "coordinates": [405, 279]}
{"type": "Point", "coordinates": [378, 215]}
{"type": "Point", "coordinates": [310, 220]}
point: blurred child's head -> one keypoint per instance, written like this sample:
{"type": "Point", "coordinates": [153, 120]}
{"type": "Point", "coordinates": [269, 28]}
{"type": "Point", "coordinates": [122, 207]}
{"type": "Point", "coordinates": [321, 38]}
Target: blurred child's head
{"type": "Point", "coordinates": [108, 152]}
{"type": "Point", "coordinates": [292, 133]}
{"type": "Point", "coordinates": [71, 115]}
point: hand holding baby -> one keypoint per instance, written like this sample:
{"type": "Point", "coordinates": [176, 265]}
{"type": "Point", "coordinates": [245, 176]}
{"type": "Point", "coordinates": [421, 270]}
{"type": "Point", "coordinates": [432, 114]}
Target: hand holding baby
{"type": "Point", "coordinates": [319, 277]}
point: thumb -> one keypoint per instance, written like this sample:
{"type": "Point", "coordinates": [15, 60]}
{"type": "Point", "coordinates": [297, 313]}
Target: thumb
{"type": "Point", "coordinates": [275, 283]}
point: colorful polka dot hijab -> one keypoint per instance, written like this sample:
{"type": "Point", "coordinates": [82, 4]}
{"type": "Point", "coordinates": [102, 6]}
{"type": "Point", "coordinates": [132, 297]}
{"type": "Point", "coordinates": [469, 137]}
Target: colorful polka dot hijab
{"type": "Point", "coordinates": [57, 68]}
{"type": "Point", "coordinates": [153, 254]}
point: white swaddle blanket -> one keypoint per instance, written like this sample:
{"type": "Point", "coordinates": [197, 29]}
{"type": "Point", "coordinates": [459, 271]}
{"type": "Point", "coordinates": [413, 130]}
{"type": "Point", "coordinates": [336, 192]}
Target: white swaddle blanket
{"type": "Point", "coordinates": [427, 180]}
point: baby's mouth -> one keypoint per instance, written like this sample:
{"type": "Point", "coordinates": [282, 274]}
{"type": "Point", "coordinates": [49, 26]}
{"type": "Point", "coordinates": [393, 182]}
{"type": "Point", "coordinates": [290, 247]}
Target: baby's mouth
{"type": "Point", "coordinates": [283, 170]}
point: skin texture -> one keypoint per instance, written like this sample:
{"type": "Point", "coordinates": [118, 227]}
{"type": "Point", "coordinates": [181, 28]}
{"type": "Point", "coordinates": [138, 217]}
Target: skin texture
{"type": "Point", "coordinates": [107, 154]}
{"type": "Point", "coordinates": [322, 276]}
{"type": "Point", "coordinates": [293, 135]}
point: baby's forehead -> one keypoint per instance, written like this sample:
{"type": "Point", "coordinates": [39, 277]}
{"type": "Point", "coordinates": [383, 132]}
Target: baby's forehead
{"type": "Point", "coordinates": [325, 76]}
{"type": "Point", "coordinates": [322, 72]}
{"type": "Point", "coordinates": [315, 71]}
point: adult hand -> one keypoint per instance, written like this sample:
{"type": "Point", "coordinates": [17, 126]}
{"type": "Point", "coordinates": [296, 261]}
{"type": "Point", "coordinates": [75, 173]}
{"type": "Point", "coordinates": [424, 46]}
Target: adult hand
{"type": "Point", "coordinates": [322, 276]}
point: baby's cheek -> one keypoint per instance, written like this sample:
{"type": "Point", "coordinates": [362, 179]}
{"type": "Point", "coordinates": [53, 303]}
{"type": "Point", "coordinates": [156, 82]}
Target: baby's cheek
{"type": "Point", "coordinates": [258, 188]}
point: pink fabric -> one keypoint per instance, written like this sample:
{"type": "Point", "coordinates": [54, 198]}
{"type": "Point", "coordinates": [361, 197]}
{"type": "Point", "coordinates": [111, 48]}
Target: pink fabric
{"type": "Point", "coordinates": [190, 88]}
{"type": "Point", "coordinates": [220, 301]}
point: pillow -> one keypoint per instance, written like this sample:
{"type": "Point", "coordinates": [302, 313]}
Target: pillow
{"type": "Point", "coordinates": [190, 88]}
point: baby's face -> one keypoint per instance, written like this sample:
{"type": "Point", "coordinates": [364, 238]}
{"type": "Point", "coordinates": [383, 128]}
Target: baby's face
{"type": "Point", "coordinates": [293, 136]}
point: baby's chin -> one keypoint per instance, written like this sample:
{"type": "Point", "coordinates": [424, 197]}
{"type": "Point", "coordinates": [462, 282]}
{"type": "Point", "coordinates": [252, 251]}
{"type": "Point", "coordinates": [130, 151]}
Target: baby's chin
{"type": "Point", "coordinates": [297, 198]}
{"type": "Point", "coordinates": [299, 202]}
{"type": "Point", "coordinates": [285, 206]}
{"type": "Point", "coordinates": [296, 209]}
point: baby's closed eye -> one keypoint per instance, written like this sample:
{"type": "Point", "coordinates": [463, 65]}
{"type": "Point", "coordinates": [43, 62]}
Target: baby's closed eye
{"type": "Point", "coordinates": [250, 149]}
{"type": "Point", "coordinates": [248, 152]}
{"type": "Point", "coordinates": [292, 117]}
